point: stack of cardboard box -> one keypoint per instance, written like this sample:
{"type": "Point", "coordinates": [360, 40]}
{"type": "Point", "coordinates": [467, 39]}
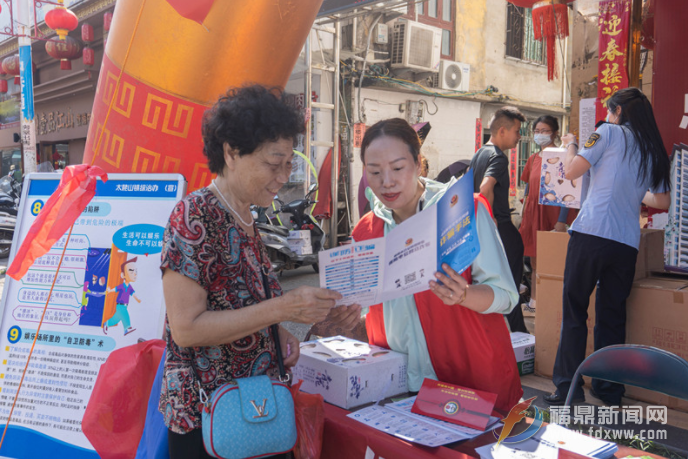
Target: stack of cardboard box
{"type": "Point", "coordinates": [657, 307]}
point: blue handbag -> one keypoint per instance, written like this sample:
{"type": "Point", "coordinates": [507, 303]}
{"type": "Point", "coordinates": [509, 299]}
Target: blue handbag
{"type": "Point", "coordinates": [253, 418]}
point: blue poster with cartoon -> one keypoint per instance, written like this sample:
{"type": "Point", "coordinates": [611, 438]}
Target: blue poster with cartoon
{"type": "Point", "coordinates": [107, 295]}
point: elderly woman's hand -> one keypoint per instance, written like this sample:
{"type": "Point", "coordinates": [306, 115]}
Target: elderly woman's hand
{"type": "Point", "coordinates": [308, 305]}
{"type": "Point", "coordinates": [454, 287]}
{"type": "Point", "coordinates": [290, 347]}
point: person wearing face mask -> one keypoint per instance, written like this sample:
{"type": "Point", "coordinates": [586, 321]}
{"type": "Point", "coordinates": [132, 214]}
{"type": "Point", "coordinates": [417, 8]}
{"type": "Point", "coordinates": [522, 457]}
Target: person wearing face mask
{"type": "Point", "coordinates": [628, 166]}
{"type": "Point", "coordinates": [537, 217]}
{"type": "Point", "coordinates": [455, 332]}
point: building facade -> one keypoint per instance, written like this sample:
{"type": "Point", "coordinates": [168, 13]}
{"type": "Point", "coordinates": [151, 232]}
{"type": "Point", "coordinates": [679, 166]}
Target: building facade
{"type": "Point", "coordinates": [62, 98]}
{"type": "Point", "coordinates": [489, 42]}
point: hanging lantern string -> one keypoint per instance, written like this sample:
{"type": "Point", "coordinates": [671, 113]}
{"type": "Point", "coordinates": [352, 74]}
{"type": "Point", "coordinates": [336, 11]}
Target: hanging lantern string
{"type": "Point", "coordinates": [550, 21]}
{"type": "Point", "coordinates": [64, 249]}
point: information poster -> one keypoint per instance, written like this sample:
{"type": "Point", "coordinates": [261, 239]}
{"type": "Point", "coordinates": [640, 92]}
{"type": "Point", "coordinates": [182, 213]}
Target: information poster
{"type": "Point", "coordinates": [405, 260]}
{"type": "Point", "coordinates": [108, 294]}
{"type": "Point", "coordinates": [586, 119]}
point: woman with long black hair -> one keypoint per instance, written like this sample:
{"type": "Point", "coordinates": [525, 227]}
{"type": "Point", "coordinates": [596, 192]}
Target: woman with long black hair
{"type": "Point", "coordinates": [629, 166]}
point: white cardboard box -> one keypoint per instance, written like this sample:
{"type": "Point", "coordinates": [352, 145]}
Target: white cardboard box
{"type": "Point", "coordinates": [350, 373]}
{"type": "Point", "coordinates": [524, 348]}
{"type": "Point", "coordinates": [300, 234]}
{"type": "Point", "coordinates": [300, 246]}
{"type": "Point", "coordinates": [555, 189]}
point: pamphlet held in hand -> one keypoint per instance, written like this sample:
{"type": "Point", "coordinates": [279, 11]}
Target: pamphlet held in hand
{"type": "Point", "coordinates": [405, 260]}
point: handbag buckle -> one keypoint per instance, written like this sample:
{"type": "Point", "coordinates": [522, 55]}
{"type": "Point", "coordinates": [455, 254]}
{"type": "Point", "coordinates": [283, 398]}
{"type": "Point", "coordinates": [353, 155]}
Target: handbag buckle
{"type": "Point", "coordinates": [284, 379]}
{"type": "Point", "coordinates": [203, 397]}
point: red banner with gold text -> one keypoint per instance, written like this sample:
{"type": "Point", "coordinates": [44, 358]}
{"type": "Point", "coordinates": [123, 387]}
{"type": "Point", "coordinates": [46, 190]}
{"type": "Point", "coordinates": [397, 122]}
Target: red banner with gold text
{"type": "Point", "coordinates": [614, 22]}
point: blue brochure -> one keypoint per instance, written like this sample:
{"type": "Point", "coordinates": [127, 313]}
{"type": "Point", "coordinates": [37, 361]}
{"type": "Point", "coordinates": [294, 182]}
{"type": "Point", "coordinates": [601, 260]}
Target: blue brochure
{"type": "Point", "coordinates": [405, 260]}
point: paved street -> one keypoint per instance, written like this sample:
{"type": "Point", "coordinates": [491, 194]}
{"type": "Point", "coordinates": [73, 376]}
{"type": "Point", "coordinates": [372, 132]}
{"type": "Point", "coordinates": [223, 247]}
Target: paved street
{"type": "Point", "coordinates": [292, 279]}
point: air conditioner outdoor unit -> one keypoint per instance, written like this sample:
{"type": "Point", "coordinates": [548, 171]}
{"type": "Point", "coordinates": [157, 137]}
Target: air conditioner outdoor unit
{"type": "Point", "coordinates": [452, 75]}
{"type": "Point", "coordinates": [416, 46]}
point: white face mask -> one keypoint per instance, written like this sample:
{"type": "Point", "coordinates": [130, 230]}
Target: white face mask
{"type": "Point", "coordinates": [542, 139]}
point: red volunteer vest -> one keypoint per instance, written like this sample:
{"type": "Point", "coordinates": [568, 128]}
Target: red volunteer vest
{"type": "Point", "coordinates": [466, 348]}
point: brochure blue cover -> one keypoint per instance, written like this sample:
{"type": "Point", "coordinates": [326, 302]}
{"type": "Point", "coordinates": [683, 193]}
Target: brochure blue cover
{"type": "Point", "coordinates": [458, 243]}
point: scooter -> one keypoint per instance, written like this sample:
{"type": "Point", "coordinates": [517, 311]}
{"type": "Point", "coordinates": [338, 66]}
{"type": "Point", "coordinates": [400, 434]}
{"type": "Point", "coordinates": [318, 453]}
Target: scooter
{"type": "Point", "coordinates": [8, 222]}
{"type": "Point", "coordinates": [10, 191]}
{"type": "Point", "coordinates": [301, 219]}
{"type": "Point", "coordinates": [276, 237]}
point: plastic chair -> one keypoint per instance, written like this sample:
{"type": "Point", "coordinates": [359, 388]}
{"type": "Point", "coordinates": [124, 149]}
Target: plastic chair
{"type": "Point", "coordinates": [636, 365]}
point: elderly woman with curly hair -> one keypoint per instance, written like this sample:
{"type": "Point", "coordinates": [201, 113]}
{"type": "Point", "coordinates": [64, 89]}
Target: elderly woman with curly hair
{"type": "Point", "coordinates": [215, 267]}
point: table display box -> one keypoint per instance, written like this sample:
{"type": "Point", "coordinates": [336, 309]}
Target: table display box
{"type": "Point", "coordinates": [350, 373]}
{"type": "Point", "coordinates": [524, 348]}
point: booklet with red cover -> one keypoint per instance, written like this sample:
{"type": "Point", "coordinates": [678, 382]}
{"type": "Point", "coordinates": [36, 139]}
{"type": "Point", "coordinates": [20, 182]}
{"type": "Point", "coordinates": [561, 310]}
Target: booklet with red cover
{"type": "Point", "coordinates": [455, 404]}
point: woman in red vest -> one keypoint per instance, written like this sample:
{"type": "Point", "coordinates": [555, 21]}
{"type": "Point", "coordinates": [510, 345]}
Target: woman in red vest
{"type": "Point", "coordinates": [454, 332]}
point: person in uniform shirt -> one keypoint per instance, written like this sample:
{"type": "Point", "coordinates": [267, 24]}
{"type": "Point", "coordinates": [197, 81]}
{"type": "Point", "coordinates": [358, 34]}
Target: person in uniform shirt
{"type": "Point", "coordinates": [628, 166]}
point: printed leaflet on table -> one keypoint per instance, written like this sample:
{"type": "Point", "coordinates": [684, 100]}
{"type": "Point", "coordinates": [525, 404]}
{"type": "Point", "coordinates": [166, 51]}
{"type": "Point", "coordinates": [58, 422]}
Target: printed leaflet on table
{"type": "Point", "coordinates": [404, 261]}
{"type": "Point", "coordinates": [398, 420]}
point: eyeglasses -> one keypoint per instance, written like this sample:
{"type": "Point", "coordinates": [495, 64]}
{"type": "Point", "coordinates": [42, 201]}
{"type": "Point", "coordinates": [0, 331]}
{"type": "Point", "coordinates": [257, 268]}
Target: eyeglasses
{"type": "Point", "coordinates": [542, 132]}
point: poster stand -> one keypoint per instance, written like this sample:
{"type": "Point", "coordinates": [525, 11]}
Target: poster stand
{"type": "Point", "coordinates": [108, 295]}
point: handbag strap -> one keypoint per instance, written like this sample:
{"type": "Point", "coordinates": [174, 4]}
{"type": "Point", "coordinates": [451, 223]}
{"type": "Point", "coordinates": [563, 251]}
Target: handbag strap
{"type": "Point", "coordinates": [274, 328]}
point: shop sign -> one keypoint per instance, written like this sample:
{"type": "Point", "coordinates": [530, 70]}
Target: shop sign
{"type": "Point", "coordinates": [614, 25]}
{"type": "Point", "coordinates": [50, 122]}
{"type": "Point", "coordinates": [124, 222]}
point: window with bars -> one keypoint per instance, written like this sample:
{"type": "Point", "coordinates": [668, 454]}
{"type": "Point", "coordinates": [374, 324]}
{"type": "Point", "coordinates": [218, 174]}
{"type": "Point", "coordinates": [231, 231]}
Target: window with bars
{"type": "Point", "coordinates": [438, 13]}
{"type": "Point", "coordinates": [520, 40]}
{"type": "Point", "coordinates": [526, 147]}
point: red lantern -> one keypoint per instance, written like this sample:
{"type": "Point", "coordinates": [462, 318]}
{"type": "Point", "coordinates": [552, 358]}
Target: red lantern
{"type": "Point", "coordinates": [107, 22]}
{"type": "Point", "coordinates": [3, 86]}
{"type": "Point", "coordinates": [61, 20]}
{"type": "Point", "coordinates": [65, 50]}
{"type": "Point", "coordinates": [648, 25]}
{"type": "Point", "coordinates": [87, 33]}
{"type": "Point", "coordinates": [10, 65]}
{"type": "Point", "coordinates": [89, 56]}
{"type": "Point", "coordinates": [551, 21]}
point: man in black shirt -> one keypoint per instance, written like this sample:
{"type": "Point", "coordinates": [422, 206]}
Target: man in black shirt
{"type": "Point", "coordinates": [491, 178]}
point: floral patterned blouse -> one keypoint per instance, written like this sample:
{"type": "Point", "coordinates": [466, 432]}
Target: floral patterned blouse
{"type": "Point", "coordinates": [203, 242]}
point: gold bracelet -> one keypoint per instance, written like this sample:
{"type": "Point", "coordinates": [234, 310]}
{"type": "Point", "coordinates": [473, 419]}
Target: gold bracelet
{"type": "Point", "coordinates": [463, 297]}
